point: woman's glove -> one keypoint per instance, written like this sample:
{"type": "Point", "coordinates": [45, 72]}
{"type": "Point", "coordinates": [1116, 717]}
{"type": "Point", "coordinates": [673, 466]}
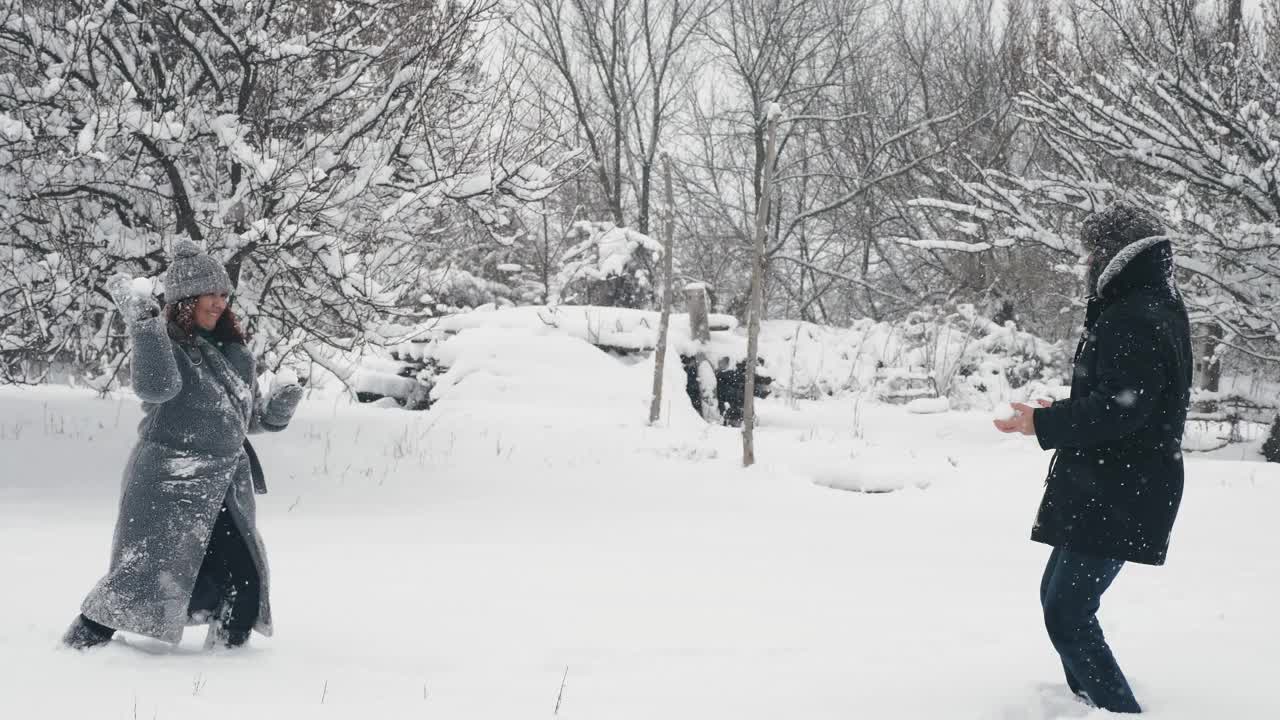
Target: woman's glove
{"type": "Point", "coordinates": [136, 305]}
{"type": "Point", "coordinates": [281, 405]}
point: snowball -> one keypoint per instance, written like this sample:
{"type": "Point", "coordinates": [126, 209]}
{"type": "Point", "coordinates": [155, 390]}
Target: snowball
{"type": "Point", "coordinates": [286, 376]}
{"type": "Point", "coordinates": [142, 286]}
{"type": "Point", "coordinates": [1005, 412]}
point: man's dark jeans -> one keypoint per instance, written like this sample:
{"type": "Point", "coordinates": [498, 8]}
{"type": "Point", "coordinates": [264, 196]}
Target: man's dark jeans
{"type": "Point", "coordinates": [1070, 594]}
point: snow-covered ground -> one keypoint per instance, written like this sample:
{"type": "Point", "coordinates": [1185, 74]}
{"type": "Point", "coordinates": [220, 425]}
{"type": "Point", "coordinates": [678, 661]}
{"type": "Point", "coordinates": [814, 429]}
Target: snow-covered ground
{"type": "Point", "coordinates": [530, 542]}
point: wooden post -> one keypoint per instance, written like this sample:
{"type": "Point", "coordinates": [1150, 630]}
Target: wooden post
{"type": "Point", "coordinates": [757, 289]}
{"type": "Point", "coordinates": [695, 298]}
{"type": "Point", "coordinates": [668, 250]}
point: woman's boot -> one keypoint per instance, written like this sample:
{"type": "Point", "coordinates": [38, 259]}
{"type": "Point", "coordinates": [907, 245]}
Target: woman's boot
{"type": "Point", "coordinates": [85, 634]}
{"type": "Point", "coordinates": [225, 632]}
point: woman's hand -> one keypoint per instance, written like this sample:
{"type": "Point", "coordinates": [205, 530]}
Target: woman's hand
{"type": "Point", "coordinates": [135, 305]}
{"type": "Point", "coordinates": [156, 378]}
{"type": "Point", "coordinates": [281, 405]}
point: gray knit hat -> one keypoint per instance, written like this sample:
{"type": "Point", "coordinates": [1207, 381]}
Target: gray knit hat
{"type": "Point", "coordinates": [192, 273]}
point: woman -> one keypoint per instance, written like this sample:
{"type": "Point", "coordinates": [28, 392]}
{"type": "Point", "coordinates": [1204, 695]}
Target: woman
{"type": "Point", "coordinates": [186, 547]}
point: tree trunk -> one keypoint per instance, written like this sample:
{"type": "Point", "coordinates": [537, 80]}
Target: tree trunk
{"type": "Point", "coordinates": [1211, 363]}
{"type": "Point", "coordinates": [868, 237]}
{"type": "Point", "coordinates": [546, 259]}
{"type": "Point", "coordinates": [646, 180]}
{"type": "Point", "coordinates": [1235, 18]}
{"type": "Point", "coordinates": [660, 353]}
{"type": "Point", "coordinates": [757, 291]}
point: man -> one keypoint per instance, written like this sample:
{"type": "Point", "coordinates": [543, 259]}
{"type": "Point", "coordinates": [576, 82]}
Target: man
{"type": "Point", "coordinates": [1116, 479]}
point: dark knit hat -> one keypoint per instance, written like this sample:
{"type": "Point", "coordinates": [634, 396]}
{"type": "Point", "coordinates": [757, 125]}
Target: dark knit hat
{"type": "Point", "coordinates": [1110, 230]}
{"type": "Point", "coordinates": [1115, 226]}
{"type": "Point", "coordinates": [192, 273]}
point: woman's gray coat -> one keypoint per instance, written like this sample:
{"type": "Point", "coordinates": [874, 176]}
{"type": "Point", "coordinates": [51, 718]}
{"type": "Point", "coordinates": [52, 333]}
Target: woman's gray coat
{"type": "Point", "coordinates": [199, 402]}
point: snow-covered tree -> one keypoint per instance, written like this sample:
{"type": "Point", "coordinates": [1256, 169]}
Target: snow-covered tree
{"type": "Point", "coordinates": [617, 74]}
{"type": "Point", "coordinates": [618, 69]}
{"type": "Point", "coordinates": [855, 129]}
{"type": "Point", "coordinates": [312, 146]}
{"type": "Point", "coordinates": [1178, 112]}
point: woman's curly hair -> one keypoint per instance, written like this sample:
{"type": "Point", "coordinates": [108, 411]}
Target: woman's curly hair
{"type": "Point", "coordinates": [228, 330]}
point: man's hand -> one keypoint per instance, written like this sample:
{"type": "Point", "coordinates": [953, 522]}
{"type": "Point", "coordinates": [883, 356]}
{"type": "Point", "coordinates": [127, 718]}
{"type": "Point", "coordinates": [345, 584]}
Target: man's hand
{"type": "Point", "coordinates": [1023, 420]}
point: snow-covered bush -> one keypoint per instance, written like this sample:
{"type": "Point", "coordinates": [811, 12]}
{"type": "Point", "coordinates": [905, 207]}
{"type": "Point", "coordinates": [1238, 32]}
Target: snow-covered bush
{"type": "Point", "coordinates": [445, 291]}
{"type": "Point", "coordinates": [606, 267]}
{"type": "Point", "coordinates": [933, 352]}
{"type": "Point", "coordinates": [1271, 448]}
{"type": "Point", "coordinates": [958, 354]}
